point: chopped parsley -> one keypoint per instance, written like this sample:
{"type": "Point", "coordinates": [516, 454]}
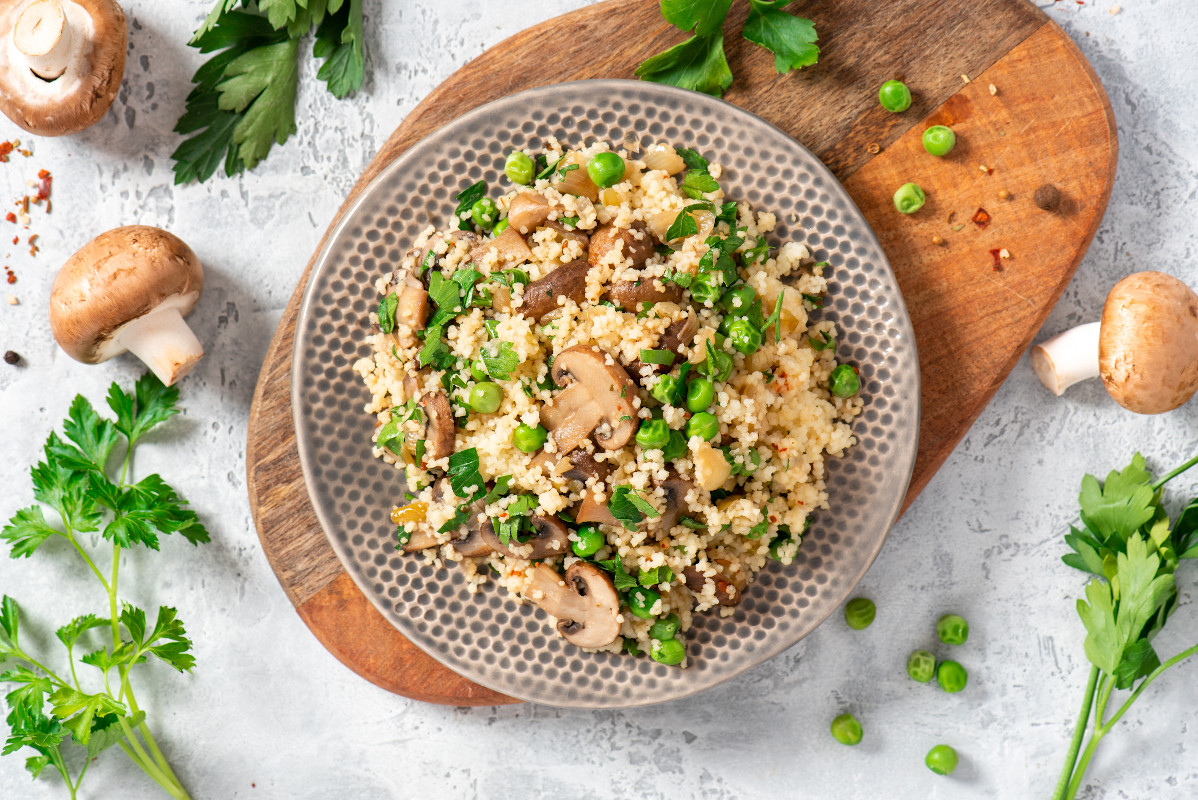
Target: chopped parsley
{"type": "Point", "coordinates": [775, 319]}
{"type": "Point", "coordinates": [824, 342]}
{"type": "Point", "coordinates": [621, 578]}
{"type": "Point", "coordinates": [518, 519]}
{"type": "Point", "coordinates": [466, 200]}
{"type": "Point", "coordinates": [693, 524]}
{"type": "Point", "coordinates": [697, 183]}
{"type": "Point", "coordinates": [758, 530]}
{"type": "Point", "coordinates": [387, 313]}
{"type": "Point", "coordinates": [500, 359]}
{"type": "Point", "coordinates": [814, 299]}
{"type": "Point", "coordinates": [658, 357]}
{"type": "Point", "coordinates": [627, 506]}
{"type": "Point", "coordinates": [655, 576]}
{"type": "Point", "coordinates": [684, 224]}
{"type": "Point", "coordinates": [463, 472]}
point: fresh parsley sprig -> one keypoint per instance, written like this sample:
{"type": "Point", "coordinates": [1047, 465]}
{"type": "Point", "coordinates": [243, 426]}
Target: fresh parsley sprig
{"type": "Point", "coordinates": [244, 97]}
{"type": "Point", "coordinates": [1128, 543]}
{"type": "Point", "coordinates": [699, 63]}
{"type": "Point", "coordinates": [93, 500]}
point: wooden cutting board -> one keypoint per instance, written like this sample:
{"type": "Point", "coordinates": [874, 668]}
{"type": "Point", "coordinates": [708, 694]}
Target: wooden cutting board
{"type": "Point", "coordinates": [1027, 110]}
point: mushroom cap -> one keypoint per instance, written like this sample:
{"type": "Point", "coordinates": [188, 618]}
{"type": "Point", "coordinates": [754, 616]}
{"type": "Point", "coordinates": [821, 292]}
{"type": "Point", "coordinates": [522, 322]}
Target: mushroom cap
{"type": "Point", "coordinates": [80, 96]}
{"type": "Point", "coordinates": [1148, 343]}
{"type": "Point", "coordinates": [585, 602]}
{"type": "Point", "coordinates": [568, 280]}
{"type": "Point", "coordinates": [439, 428]}
{"type": "Point", "coordinates": [609, 394]}
{"type": "Point", "coordinates": [119, 276]}
{"type": "Point", "coordinates": [634, 242]}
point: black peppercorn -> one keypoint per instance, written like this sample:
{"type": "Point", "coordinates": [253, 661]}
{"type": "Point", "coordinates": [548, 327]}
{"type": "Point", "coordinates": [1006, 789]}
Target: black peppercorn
{"type": "Point", "coordinates": [11, 357]}
{"type": "Point", "coordinates": [1047, 197]}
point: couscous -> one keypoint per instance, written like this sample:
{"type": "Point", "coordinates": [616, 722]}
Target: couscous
{"type": "Point", "coordinates": [606, 392]}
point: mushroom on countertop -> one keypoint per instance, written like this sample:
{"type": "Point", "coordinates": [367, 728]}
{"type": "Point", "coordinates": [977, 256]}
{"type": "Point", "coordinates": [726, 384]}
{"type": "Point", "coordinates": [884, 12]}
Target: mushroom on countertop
{"type": "Point", "coordinates": [128, 290]}
{"type": "Point", "coordinates": [61, 63]}
{"type": "Point", "coordinates": [1145, 347]}
{"type": "Point", "coordinates": [597, 397]}
{"type": "Point", "coordinates": [584, 601]}
{"type": "Point", "coordinates": [439, 427]}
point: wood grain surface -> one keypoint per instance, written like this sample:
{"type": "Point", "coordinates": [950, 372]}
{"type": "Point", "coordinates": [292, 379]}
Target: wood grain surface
{"type": "Point", "coordinates": [1027, 110]}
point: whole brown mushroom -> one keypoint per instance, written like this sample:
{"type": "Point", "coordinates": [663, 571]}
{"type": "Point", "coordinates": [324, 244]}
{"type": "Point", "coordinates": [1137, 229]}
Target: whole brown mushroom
{"type": "Point", "coordinates": [128, 290]}
{"type": "Point", "coordinates": [61, 62]}
{"type": "Point", "coordinates": [1145, 347]}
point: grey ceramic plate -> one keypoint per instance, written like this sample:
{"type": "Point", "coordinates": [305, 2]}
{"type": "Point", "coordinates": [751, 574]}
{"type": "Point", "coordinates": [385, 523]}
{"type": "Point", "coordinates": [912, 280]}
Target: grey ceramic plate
{"type": "Point", "coordinates": [490, 637]}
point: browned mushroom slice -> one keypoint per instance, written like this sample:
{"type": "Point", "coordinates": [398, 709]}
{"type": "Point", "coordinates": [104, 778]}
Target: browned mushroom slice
{"type": "Point", "coordinates": [590, 510]}
{"type": "Point", "coordinates": [583, 467]}
{"type": "Point", "coordinates": [727, 592]}
{"type": "Point", "coordinates": [411, 310]}
{"type": "Point", "coordinates": [585, 602]}
{"type": "Point", "coordinates": [528, 211]}
{"type": "Point", "coordinates": [541, 296]}
{"type": "Point", "coordinates": [510, 246]}
{"type": "Point", "coordinates": [473, 544]}
{"type": "Point", "coordinates": [421, 539]}
{"type": "Point", "coordinates": [550, 537]}
{"type": "Point", "coordinates": [597, 398]}
{"type": "Point", "coordinates": [635, 242]}
{"type": "Point", "coordinates": [679, 333]}
{"type": "Point", "coordinates": [676, 488]}
{"type": "Point", "coordinates": [438, 425]}
{"type": "Point", "coordinates": [569, 233]}
{"type": "Point", "coordinates": [636, 295]}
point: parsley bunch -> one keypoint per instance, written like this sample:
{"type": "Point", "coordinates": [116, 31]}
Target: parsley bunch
{"type": "Point", "coordinates": [95, 708]}
{"type": "Point", "coordinates": [244, 97]}
{"type": "Point", "coordinates": [699, 63]}
{"type": "Point", "coordinates": [1127, 541]}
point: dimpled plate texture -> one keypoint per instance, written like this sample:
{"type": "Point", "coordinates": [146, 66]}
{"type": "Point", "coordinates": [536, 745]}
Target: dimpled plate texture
{"type": "Point", "coordinates": [490, 637]}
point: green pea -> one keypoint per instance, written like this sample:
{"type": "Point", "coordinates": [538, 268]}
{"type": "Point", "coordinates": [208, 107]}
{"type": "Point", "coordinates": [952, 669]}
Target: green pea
{"type": "Point", "coordinates": [704, 425]}
{"type": "Point", "coordinates": [590, 540]}
{"type": "Point", "coordinates": [500, 226]}
{"type": "Point", "coordinates": [642, 600]}
{"type": "Point", "coordinates": [738, 301]}
{"type": "Point", "coordinates": [909, 198]}
{"type": "Point", "coordinates": [653, 434]}
{"type": "Point", "coordinates": [605, 169]}
{"type": "Point", "coordinates": [700, 393]}
{"type": "Point", "coordinates": [894, 96]}
{"type": "Point", "coordinates": [529, 439]}
{"type": "Point", "coordinates": [485, 397]}
{"type": "Point", "coordinates": [667, 651]}
{"type": "Point", "coordinates": [939, 140]}
{"type": "Point", "coordinates": [485, 213]}
{"type": "Point", "coordinates": [666, 389]}
{"type": "Point", "coordinates": [519, 168]}
{"type": "Point", "coordinates": [844, 382]}
{"type": "Point", "coordinates": [675, 448]}
{"type": "Point", "coordinates": [921, 666]}
{"type": "Point", "coordinates": [952, 629]}
{"type": "Point", "coordinates": [478, 370]}
{"type": "Point", "coordinates": [951, 676]}
{"type": "Point", "coordinates": [706, 287]}
{"type": "Point", "coordinates": [859, 613]}
{"type": "Point", "coordinates": [941, 759]}
{"type": "Point", "coordinates": [744, 337]}
{"type": "Point", "coordinates": [665, 628]}
{"type": "Point", "coordinates": [846, 729]}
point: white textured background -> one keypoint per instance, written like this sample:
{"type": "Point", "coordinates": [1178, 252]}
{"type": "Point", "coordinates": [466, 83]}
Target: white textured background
{"type": "Point", "coordinates": [269, 714]}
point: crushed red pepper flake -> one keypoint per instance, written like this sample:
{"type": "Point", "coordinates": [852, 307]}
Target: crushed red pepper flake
{"type": "Point", "coordinates": [981, 218]}
{"type": "Point", "coordinates": [11, 217]}
{"type": "Point", "coordinates": [996, 255]}
{"type": "Point", "coordinates": [16, 240]}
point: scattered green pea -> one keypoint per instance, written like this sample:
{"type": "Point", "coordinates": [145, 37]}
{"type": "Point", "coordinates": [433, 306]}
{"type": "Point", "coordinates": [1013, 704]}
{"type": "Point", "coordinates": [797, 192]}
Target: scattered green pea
{"type": "Point", "coordinates": [738, 301]}
{"type": "Point", "coordinates": [666, 627]}
{"type": "Point", "coordinates": [485, 397]}
{"type": "Point", "coordinates": [519, 168]}
{"type": "Point", "coordinates": [700, 393]}
{"type": "Point", "coordinates": [941, 759]}
{"type": "Point", "coordinates": [939, 140]}
{"type": "Point", "coordinates": [704, 425]}
{"type": "Point", "coordinates": [642, 600]}
{"type": "Point", "coordinates": [844, 382]}
{"type": "Point", "coordinates": [605, 169]}
{"type": "Point", "coordinates": [529, 439]}
{"type": "Point", "coordinates": [951, 676]}
{"type": "Point", "coordinates": [485, 213]}
{"type": "Point", "coordinates": [909, 198]}
{"type": "Point", "coordinates": [590, 540]}
{"type": "Point", "coordinates": [666, 389]}
{"type": "Point", "coordinates": [744, 337]}
{"type": "Point", "coordinates": [667, 651]}
{"type": "Point", "coordinates": [859, 613]}
{"type": "Point", "coordinates": [894, 96]}
{"type": "Point", "coordinates": [952, 629]}
{"type": "Point", "coordinates": [478, 370]}
{"type": "Point", "coordinates": [921, 666]}
{"type": "Point", "coordinates": [846, 729]}
{"type": "Point", "coordinates": [653, 434]}
{"type": "Point", "coordinates": [675, 448]}
{"type": "Point", "coordinates": [706, 287]}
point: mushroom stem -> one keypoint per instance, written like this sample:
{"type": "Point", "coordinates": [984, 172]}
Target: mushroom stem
{"type": "Point", "coordinates": [43, 35]}
{"type": "Point", "coordinates": [164, 342]}
{"type": "Point", "coordinates": [1067, 358]}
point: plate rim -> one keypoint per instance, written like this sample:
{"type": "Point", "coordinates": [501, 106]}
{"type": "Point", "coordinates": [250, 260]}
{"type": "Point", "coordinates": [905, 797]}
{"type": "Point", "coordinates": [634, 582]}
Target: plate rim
{"type": "Point", "coordinates": [323, 258]}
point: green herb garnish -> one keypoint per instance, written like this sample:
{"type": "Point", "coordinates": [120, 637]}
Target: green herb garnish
{"type": "Point", "coordinates": [463, 473]}
{"type": "Point", "coordinates": [500, 359]}
{"type": "Point", "coordinates": [466, 200]}
{"type": "Point", "coordinates": [386, 313]}
{"type": "Point", "coordinates": [660, 357]}
{"type": "Point", "coordinates": [620, 577]}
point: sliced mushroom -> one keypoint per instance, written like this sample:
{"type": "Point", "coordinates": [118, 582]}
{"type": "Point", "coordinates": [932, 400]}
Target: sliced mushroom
{"type": "Point", "coordinates": [585, 602]}
{"type": "Point", "coordinates": [572, 234]}
{"type": "Point", "coordinates": [597, 398]}
{"type": "Point", "coordinates": [676, 488]}
{"type": "Point", "coordinates": [541, 296]}
{"type": "Point", "coordinates": [412, 308]}
{"type": "Point", "coordinates": [591, 510]}
{"type": "Point", "coordinates": [510, 246]}
{"type": "Point", "coordinates": [473, 544]}
{"type": "Point", "coordinates": [678, 334]}
{"type": "Point", "coordinates": [634, 295]}
{"type": "Point", "coordinates": [439, 428]}
{"type": "Point", "coordinates": [635, 242]}
{"type": "Point", "coordinates": [583, 467]}
{"type": "Point", "coordinates": [550, 537]}
{"type": "Point", "coordinates": [727, 592]}
{"type": "Point", "coordinates": [421, 539]}
{"type": "Point", "coordinates": [528, 211]}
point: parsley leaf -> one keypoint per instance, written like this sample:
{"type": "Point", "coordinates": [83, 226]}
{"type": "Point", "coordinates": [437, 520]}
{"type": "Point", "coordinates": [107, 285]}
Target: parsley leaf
{"type": "Point", "coordinates": [775, 319]}
{"type": "Point", "coordinates": [500, 359]}
{"type": "Point", "coordinates": [684, 224]}
{"type": "Point", "coordinates": [692, 159]}
{"type": "Point", "coordinates": [699, 63]}
{"type": "Point", "coordinates": [339, 40]}
{"type": "Point", "coordinates": [791, 39]}
{"type": "Point", "coordinates": [26, 531]}
{"type": "Point", "coordinates": [621, 578]}
{"type": "Point", "coordinates": [464, 477]}
{"type": "Point", "coordinates": [386, 312]}
{"type": "Point", "coordinates": [466, 200]}
{"type": "Point", "coordinates": [704, 17]}
{"type": "Point", "coordinates": [655, 576]}
{"type": "Point", "coordinates": [697, 183]}
{"type": "Point", "coordinates": [627, 506]}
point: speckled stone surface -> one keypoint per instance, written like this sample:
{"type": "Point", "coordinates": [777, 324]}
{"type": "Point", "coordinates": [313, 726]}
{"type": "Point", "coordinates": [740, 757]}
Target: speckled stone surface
{"type": "Point", "coordinates": [269, 714]}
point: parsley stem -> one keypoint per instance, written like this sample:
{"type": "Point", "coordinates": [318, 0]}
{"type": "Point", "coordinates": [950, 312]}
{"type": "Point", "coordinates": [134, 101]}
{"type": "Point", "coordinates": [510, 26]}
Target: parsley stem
{"type": "Point", "coordinates": [70, 534]}
{"type": "Point", "coordinates": [1079, 733]}
{"type": "Point", "coordinates": [111, 587]}
{"type": "Point", "coordinates": [60, 765]}
{"type": "Point", "coordinates": [1182, 656]}
{"type": "Point", "coordinates": [1170, 476]}
{"type": "Point", "coordinates": [145, 764]}
{"type": "Point", "coordinates": [1096, 734]}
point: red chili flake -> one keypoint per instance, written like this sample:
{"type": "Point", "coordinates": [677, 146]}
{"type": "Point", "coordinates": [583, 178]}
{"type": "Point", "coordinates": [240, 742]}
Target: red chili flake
{"type": "Point", "coordinates": [12, 278]}
{"type": "Point", "coordinates": [997, 256]}
{"type": "Point", "coordinates": [16, 240]}
{"type": "Point", "coordinates": [981, 218]}
{"type": "Point", "coordinates": [33, 248]}
{"type": "Point", "coordinates": [45, 179]}
{"type": "Point", "coordinates": [11, 217]}
{"type": "Point", "coordinates": [6, 149]}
